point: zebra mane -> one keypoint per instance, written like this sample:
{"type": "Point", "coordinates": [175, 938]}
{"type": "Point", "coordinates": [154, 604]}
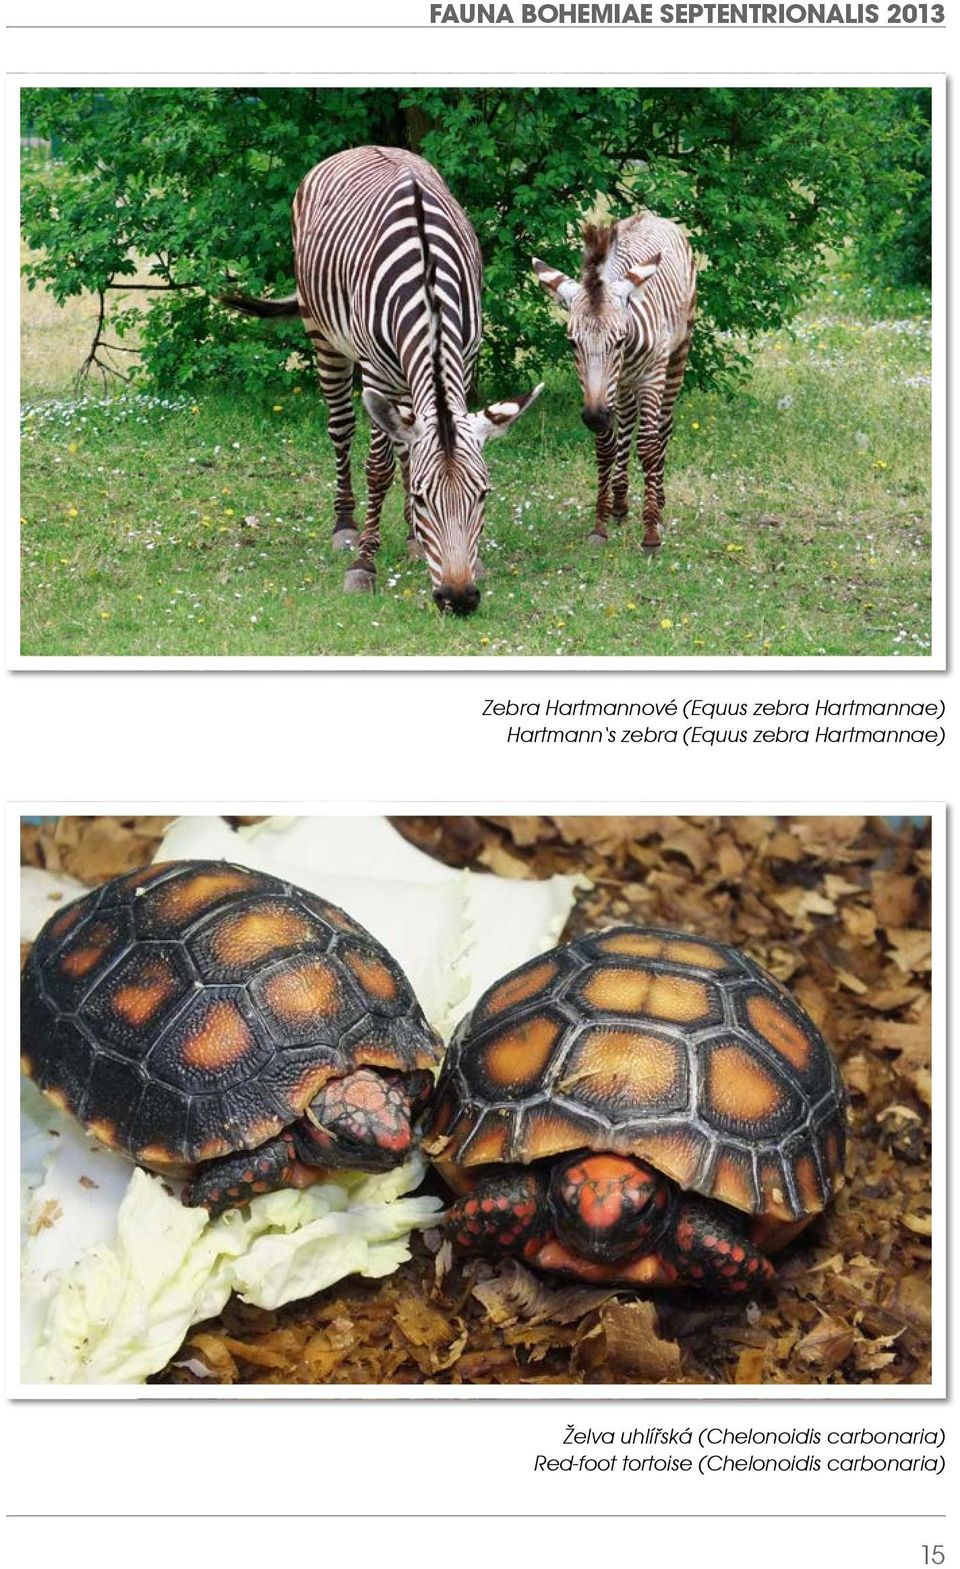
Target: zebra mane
{"type": "Point", "coordinates": [446, 426]}
{"type": "Point", "coordinates": [599, 244]}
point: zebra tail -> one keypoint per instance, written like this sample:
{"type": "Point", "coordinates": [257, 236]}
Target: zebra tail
{"type": "Point", "coordinates": [250, 306]}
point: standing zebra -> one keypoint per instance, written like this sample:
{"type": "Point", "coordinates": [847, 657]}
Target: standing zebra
{"type": "Point", "coordinates": [388, 277]}
{"type": "Point", "coordinates": [631, 320]}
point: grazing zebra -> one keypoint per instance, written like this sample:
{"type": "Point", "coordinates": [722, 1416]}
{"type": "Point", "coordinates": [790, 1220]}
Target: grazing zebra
{"type": "Point", "coordinates": [388, 277]}
{"type": "Point", "coordinates": [631, 320]}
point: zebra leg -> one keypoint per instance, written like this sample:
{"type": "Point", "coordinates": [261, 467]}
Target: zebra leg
{"type": "Point", "coordinates": [336, 382]}
{"type": "Point", "coordinates": [650, 452]}
{"type": "Point", "coordinates": [380, 469]}
{"type": "Point", "coordinates": [414, 548]}
{"type": "Point", "coordinates": [676, 365]}
{"type": "Point", "coordinates": [627, 409]}
{"type": "Point", "coordinates": [606, 444]}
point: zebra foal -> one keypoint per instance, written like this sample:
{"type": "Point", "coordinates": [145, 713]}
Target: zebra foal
{"type": "Point", "coordinates": [631, 321]}
{"type": "Point", "coordinates": [388, 276]}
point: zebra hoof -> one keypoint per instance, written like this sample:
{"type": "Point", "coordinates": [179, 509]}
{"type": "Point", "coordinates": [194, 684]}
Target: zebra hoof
{"type": "Point", "coordinates": [359, 581]}
{"type": "Point", "coordinates": [345, 539]}
{"type": "Point", "coordinates": [652, 545]}
{"type": "Point", "coordinates": [414, 550]}
{"type": "Point", "coordinates": [596, 539]}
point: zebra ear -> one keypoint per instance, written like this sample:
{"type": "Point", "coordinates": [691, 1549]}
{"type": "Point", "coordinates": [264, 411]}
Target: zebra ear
{"type": "Point", "coordinates": [633, 282]}
{"type": "Point", "coordinates": [556, 283]}
{"type": "Point", "coordinates": [400, 424]}
{"type": "Point", "coordinates": [496, 418]}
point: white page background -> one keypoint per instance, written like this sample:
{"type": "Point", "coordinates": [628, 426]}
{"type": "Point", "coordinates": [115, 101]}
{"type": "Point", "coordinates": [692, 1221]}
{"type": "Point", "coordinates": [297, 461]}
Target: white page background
{"type": "Point", "coordinates": [421, 746]}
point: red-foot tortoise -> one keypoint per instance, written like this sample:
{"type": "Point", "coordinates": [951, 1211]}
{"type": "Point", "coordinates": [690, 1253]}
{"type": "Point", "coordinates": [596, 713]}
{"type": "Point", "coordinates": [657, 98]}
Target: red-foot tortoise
{"type": "Point", "coordinates": [215, 1023]}
{"type": "Point", "coordinates": [615, 1109]}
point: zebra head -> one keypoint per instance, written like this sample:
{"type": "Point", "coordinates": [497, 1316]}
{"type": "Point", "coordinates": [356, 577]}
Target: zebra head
{"type": "Point", "coordinates": [603, 325]}
{"type": "Point", "coordinates": [448, 485]}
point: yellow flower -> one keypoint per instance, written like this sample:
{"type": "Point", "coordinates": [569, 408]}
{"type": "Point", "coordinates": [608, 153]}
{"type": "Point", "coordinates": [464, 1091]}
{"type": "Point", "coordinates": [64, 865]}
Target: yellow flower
{"type": "Point", "coordinates": [71, 446]}
{"type": "Point", "coordinates": [734, 550]}
{"type": "Point", "coordinates": [631, 605]}
{"type": "Point", "coordinates": [666, 623]}
{"type": "Point", "coordinates": [194, 409]}
{"type": "Point", "coordinates": [105, 615]}
{"type": "Point", "coordinates": [695, 424]}
{"type": "Point", "coordinates": [228, 512]}
{"type": "Point", "coordinates": [561, 624]}
{"type": "Point", "coordinates": [72, 512]}
{"type": "Point", "coordinates": [484, 641]}
{"type": "Point", "coordinates": [297, 391]}
{"type": "Point", "coordinates": [278, 408]}
{"type": "Point", "coordinates": [879, 464]}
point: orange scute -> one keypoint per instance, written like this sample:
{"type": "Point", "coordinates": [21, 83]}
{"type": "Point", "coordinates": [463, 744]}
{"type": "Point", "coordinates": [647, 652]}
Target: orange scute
{"type": "Point", "coordinates": [738, 1086]}
{"type": "Point", "coordinates": [808, 1183]}
{"type": "Point", "coordinates": [677, 1153]}
{"type": "Point", "coordinates": [610, 1065]}
{"type": "Point", "coordinates": [733, 1183]}
{"type": "Point", "coordinates": [519, 1055]}
{"type": "Point", "coordinates": [252, 935]}
{"type": "Point", "coordinates": [137, 1002]}
{"type": "Point", "coordinates": [518, 988]}
{"type": "Point", "coordinates": [773, 1024]}
{"type": "Point", "coordinates": [79, 961]}
{"type": "Point", "coordinates": [306, 992]}
{"type": "Point", "coordinates": [490, 1142]}
{"type": "Point", "coordinates": [221, 1038]}
{"type": "Point", "coordinates": [677, 999]}
{"type": "Point", "coordinates": [372, 974]}
{"type": "Point", "coordinates": [184, 897]}
{"type": "Point", "coordinates": [675, 950]}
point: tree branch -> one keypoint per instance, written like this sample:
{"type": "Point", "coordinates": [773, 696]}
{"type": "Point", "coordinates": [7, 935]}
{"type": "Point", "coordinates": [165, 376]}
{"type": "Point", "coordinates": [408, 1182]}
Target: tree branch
{"type": "Point", "coordinates": [160, 287]}
{"type": "Point", "coordinates": [93, 355]}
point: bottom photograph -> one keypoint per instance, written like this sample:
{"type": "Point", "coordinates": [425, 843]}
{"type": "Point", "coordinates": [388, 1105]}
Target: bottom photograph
{"type": "Point", "coordinates": [476, 1101]}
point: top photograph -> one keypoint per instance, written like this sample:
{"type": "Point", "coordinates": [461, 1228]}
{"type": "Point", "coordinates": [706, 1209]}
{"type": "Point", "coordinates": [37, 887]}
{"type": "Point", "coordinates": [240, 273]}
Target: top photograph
{"type": "Point", "coordinates": [425, 376]}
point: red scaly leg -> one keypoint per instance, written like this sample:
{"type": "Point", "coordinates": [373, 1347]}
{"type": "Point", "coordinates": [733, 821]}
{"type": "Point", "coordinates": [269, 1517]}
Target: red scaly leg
{"type": "Point", "coordinates": [505, 1213]}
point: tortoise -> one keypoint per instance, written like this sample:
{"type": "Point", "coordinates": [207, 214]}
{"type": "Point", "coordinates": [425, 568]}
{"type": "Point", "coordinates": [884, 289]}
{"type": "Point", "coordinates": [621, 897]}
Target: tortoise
{"type": "Point", "coordinates": [639, 1106]}
{"type": "Point", "coordinates": [216, 1023]}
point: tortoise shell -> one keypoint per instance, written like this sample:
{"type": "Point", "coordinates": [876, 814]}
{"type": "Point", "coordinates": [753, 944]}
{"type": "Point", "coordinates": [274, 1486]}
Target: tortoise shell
{"type": "Point", "coordinates": [640, 1041]}
{"type": "Point", "coordinates": [194, 1008]}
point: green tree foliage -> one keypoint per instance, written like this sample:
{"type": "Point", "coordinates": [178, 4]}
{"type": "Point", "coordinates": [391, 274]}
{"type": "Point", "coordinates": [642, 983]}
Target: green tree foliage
{"type": "Point", "coordinates": [896, 237]}
{"type": "Point", "coordinates": [197, 183]}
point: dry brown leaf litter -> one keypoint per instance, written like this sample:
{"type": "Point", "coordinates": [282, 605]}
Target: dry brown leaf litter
{"type": "Point", "coordinates": [836, 907]}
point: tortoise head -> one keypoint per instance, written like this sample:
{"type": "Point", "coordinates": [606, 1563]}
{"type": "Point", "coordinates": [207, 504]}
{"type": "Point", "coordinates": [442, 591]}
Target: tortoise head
{"type": "Point", "coordinates": [363, 1121]}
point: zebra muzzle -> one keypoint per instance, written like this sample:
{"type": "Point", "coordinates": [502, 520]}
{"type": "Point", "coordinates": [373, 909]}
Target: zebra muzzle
{"type": "Point", "coordinates": [456, 599]}
{"type": "Point", "coordinates": [599, 420]}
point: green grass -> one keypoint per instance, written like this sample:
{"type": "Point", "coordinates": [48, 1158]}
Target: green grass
{"type": "Point", "coordinates": [797, 520]}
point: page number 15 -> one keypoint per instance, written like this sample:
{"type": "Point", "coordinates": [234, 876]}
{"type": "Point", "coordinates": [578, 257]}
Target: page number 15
{"type": "Point", "coordinates": [933, 1555]}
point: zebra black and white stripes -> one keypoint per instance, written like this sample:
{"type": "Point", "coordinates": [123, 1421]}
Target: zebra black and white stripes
{"type": "Point", "coordinates": [631, 321]}
{"type": "Point", "coordinates": [388, 277]}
